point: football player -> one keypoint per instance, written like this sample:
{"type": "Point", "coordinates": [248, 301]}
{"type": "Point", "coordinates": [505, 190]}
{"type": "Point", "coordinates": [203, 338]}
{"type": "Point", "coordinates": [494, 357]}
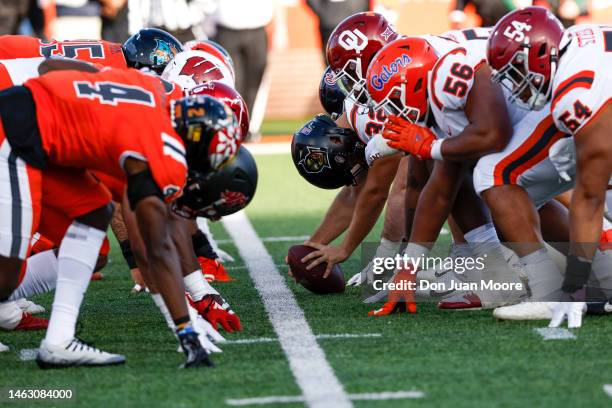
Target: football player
{"type": "Point", "coordinates": [542, 63]}
{"type": "Point", "coordinates": [120, 99]}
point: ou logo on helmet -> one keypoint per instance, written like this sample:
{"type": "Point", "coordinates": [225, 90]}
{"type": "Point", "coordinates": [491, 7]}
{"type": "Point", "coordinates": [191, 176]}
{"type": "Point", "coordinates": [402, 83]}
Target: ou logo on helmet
{"type": "Point", "coordinates": [353, 40]}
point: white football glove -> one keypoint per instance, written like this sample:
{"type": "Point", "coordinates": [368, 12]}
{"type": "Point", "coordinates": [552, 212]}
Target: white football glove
{"type": "Point", "coordinates": [378, 148]}
{"type": "Point", "coordinates": [386, 249]}
{"type": "Point", "coordinates": [572, 311]}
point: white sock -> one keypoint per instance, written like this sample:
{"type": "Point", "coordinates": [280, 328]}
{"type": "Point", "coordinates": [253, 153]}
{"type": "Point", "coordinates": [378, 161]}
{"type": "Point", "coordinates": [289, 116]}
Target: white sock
{"type": "Point", "coordinates": [10, 315]}
{"type": "Point", "coordinates": [40, 276]}
{"type": "Point", "coordinates": [77, 258]}
{"type": "Point", "coordinates": [485, 244]}
{"type": "Point", "coordinates": [197, 286]}
{"type": "Point", "coordinates": [544, 278]}
{"type": "Point", "coordinates": [159, 302]}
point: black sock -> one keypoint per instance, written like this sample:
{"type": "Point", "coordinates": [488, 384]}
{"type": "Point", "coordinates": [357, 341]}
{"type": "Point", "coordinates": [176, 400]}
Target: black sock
{"type": "Point", "coordinates": [201, 246]}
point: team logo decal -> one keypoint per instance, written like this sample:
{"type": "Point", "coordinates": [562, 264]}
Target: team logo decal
{"type": "Point", "coordinates": [163, 52]}
{"type": "Point", "coordinates": [222, 148]}
{"type": "Point", "coordinates": [201, 70]}
{"type": "Point", "coordinates": [388, 33]}
{"type": "Point", "coordinates": [330, 78]}
{"type": "Point", "coordinates": [378, 81]}
{"type": "Point", "coordinates": [353, 40]}
{"type": "Point", "coordinates": [233, 198]}
{"type": "Point", "coordinates": [315, 160]}
{"type": "Point", "coordinates": [306, 130]}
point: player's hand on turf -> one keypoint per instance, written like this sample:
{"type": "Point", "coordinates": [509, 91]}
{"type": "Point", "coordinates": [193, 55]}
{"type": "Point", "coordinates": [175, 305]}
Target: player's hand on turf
{"type": "Point", "coordinates": [218, 311]}
{"type": "Point", "coordinates": [572, 311]}
{"type": "Point", "coordinates": [414, 139]}
{"type": "Point", "coordinates": [326, 253]}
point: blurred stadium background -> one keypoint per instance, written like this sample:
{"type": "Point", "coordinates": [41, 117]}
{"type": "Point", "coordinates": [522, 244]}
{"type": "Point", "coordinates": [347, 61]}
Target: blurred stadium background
{"type": "Point", "coordinates": [289, 88]}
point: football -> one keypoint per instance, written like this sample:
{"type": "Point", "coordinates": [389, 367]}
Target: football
{"type": "Point", "coordinates": [313, 279]}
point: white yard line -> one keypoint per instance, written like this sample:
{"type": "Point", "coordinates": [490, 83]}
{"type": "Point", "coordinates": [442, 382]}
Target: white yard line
{"type": "Point", "coordinates": [608, 389]}
{"type": "Point", "coordinates": [255, 340]}
{"type": "Point", "coordinates": [290, 238]}
{"type": "Point", "coordinates": [307, 361]}
{"type": "Point", "coordinates": [369, 396]}
{"type": "Point", "coordinates": [555, 333]}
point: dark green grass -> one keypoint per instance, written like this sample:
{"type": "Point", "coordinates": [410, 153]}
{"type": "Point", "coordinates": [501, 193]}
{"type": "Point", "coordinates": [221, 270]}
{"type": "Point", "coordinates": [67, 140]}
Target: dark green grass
{"type": "Point", "coordinates": [460, 359]}
{"type": "Point", "coordinates": [278, 127]}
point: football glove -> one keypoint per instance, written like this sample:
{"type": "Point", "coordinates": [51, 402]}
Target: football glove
{"type": "Point", "coordinates": [572, 311]}
{"type": "Point", "coordinates": [216, 311]}
{"type": "Point", "coordinates": [414, 139]}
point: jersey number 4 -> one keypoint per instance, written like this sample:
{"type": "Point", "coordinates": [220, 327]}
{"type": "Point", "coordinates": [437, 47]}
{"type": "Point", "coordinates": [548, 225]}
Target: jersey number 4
{"type": "Point", "coordinates": [456, 83]}
{"type": "Point", "coordinates": [112, 93]}
{"type": "Point", "coordinates": [581, 112]}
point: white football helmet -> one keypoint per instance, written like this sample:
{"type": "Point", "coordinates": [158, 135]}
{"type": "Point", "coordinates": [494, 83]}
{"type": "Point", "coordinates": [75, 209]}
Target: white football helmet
{"type": "Point", "coordinates": [192, 68]}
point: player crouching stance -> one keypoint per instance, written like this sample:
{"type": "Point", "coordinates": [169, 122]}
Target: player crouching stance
{"type": "Point", "coordinates": [128, 134]}
{"type": "Point", "coordinates": [540, 63]}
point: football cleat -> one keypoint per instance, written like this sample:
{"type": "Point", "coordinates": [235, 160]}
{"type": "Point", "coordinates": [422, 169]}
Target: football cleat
{"type": "Point", "coordinates": [355, 280]}
{"type": "Point", "coordinates": [195, 353]}
{"type": "Point", "coordinates": [29, 307]}
{"type": "Point", "coordinates": [74, 353]}
{"type": "Point", "coordinates": [461, 301]}
{"type": "Point", "coordinates": [3, 348]}
{"type": "Point", "coordinates": [599, 308]}
{"type": "Point", "coordinates": [214, 270]}
{"type": "Point", "coordinates": [525, 311]}
{"type": "Point", "coordinates": [29, 322]}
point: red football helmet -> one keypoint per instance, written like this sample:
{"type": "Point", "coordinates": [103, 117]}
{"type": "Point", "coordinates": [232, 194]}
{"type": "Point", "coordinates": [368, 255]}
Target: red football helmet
{"type": "Point", "coordinates": [231, 98]}
{"type": "Point", "coordinates": [351, 47]}
{"type": "Point", "coordinates": [212, 48]}
{"type": "Point", "coordinates": [523, 51]}
{"type": "Point", "coordinates": [397, 78]}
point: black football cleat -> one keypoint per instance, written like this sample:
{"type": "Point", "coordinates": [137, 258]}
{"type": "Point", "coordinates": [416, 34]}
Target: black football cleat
{"type": "Point", "coordinates": [195, 353]}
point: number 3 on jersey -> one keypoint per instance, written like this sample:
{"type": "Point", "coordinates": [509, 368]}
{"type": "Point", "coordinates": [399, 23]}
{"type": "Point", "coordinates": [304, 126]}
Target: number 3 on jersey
{"type": "Point", "coordinates": [456, 83]}
{"type": "Point", "coordinates": [111, 93]}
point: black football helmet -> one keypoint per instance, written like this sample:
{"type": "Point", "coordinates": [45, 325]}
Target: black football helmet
{"type": "Point", "coordinates": [331, 95]}
{"type": "Point", "coordinates": [151, 48]}
{"type": "Point", "coordinates": [326, 155]}
{"type": "Point", "coordinates": [209, 130]}
{"type": "Point", "coordinates": [225, 192]}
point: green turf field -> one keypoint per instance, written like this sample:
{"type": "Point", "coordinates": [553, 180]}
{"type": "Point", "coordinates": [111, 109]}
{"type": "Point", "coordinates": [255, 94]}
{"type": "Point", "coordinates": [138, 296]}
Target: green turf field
{"type": "Point", "coordinates": [457, 359]}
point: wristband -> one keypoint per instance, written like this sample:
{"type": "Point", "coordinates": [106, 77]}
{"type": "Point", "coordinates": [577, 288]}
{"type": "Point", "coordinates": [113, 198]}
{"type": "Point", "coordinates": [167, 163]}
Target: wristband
{"type": "Point", "coordinates": [577, 273]}
{"type": "Point", "coordinates": [436, 149]}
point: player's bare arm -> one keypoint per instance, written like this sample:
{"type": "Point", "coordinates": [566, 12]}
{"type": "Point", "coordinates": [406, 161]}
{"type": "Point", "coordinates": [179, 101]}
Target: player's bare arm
{"type": "Point", "coordinates": [368, 207]}
{"type": "Point", "coordinates": [594, 166]}
{"type": "Point", "coordinates": [338, 217]}
{"type": "Point", "coordinates": [489, 129]}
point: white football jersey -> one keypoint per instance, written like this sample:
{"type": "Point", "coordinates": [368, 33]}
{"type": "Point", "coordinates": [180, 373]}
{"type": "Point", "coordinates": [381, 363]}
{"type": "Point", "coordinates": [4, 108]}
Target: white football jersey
{"type": "Point", "coordinates": [582, 85]}
{"type": "Point", "coordinates": [17, 71]}
{"type": "Point", "coordinates": [469, 34]}
{"type": "Point", "coordinates": [364, 121]}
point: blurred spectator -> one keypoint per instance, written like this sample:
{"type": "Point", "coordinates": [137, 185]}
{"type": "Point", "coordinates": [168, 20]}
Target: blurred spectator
{"type": "Point", "coordinates": [241, 29]}
{"type": "Point", "coordinates": [182, 18]}
{"type": "Point", "coordinates": [11, 14]}
{"type": "Point", "coordinates": [331, 12]}
{"type": "Point", "coordinates": [568, 10]}
{"type": "Point", "coordinates": [488, 10]}
{"type": "Point", "coordinates": [114, 20]}
{"type": "Point", "coordinates": [77, 19]}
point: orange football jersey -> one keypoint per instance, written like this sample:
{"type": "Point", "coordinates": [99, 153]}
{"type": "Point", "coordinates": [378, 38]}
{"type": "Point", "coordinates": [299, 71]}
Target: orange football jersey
{"type": "Point", "coordinates": [97, 52]}
{"type": "Point", "coordinates": [97, 120]}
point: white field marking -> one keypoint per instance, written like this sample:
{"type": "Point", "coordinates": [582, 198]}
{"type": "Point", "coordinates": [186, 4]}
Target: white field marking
{"type": "Point", "coordinates": [28, 354]}
{"type": "Point", "coordinates": [369, 396]}
{"type": "Point", "coordinates": [555, 333]}
{"type": "Point", "coordinates": [318, 336]}
{"type": "Point", "coordinates": [307, 361]}
{"type": "Point", "coordinates": [269, 148]}
{"type": "Point", "coordinates": [236, 268]}
{"type": "Point", "coordinates": [607, 388]}
{"type": "Point", "coordinates": [289, 238]}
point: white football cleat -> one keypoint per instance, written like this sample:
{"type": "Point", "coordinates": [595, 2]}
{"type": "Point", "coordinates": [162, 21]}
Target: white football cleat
{"type": "Point", "coordinates": [74, 353]}
{"type": "Point", "coordinates": [3, 348]}
{"type": "Point", "coordinates": [525, 311]}
{"type": "Point", "coordinates": [29, 307]}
